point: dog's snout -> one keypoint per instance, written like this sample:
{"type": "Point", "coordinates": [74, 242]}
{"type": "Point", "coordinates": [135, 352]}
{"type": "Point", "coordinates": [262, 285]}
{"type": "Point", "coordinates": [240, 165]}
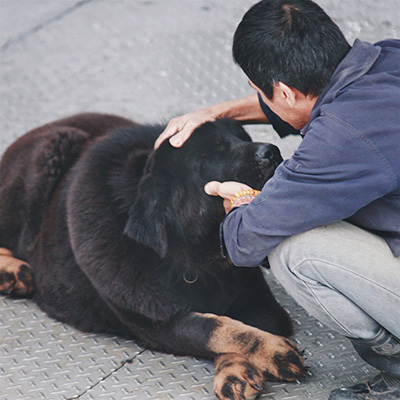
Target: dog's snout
{"type": "Point", "coordinates": [266, 151]}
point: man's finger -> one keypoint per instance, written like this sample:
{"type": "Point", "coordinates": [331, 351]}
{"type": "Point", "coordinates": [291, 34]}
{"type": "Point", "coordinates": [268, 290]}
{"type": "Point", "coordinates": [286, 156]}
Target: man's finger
{"type": "Point", "coordinates": [229, 189]}
{"type": "Point", "coordinates": [179, 138]}
{"type": "Point", "coordinates": [169, 131]}
{"type": "Point", "coordinates": [212, 188]}
{"type": "Point", "coordinates": [227, 205]}
{"type": "Point", "coordinates": [184, 134]}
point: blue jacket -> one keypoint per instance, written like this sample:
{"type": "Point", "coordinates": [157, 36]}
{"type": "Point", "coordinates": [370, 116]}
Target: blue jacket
{"type": "Point", "coordinates": [346, 167]}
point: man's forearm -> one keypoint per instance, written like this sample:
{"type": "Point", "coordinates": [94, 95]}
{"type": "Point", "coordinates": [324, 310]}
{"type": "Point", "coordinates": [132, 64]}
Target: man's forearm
{"type": "Point", "coordinates": [246, 110]}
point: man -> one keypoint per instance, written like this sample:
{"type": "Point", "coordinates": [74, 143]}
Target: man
{"type": "Point", "coordinates": [329, 219]}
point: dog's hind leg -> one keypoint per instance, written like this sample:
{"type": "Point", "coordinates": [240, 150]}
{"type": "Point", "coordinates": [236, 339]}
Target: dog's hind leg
{"type": "Point", "coordinates": [15, 275]}
{"type": "Point", "coordinates": [30, 172]}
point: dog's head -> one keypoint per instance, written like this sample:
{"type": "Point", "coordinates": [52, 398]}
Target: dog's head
{"type": "Point", "coordinates": [172, 214]}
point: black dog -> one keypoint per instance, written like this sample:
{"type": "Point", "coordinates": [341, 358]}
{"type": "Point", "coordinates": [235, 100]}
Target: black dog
{"type": "Point", "coordinates": [123, 239]}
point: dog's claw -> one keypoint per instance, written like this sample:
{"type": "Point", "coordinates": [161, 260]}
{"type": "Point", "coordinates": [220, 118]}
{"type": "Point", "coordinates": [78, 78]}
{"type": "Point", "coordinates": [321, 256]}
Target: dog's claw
{"type": "Point", "coordinates": [236, 378]}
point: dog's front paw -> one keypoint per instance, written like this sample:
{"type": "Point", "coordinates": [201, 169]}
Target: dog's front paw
{"type": "Point", "coordinates": [236, 378]}
{"type": "Point", "coordinates": [15, 276]}
{"type": "Point", "coordinates": [279, 359]}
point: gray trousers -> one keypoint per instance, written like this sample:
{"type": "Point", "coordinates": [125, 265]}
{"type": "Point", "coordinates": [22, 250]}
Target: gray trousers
{"type": "Point", "coordinates": [344, 276]}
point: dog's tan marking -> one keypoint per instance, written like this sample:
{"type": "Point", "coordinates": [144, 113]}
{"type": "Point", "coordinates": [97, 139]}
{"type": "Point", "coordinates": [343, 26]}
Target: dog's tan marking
{"type": "Point", "coordinates": [276, 357]}
{"type": "Point", "coordinates": [15, 275]}
{"type": "Point", "coordinates": [236, 378]}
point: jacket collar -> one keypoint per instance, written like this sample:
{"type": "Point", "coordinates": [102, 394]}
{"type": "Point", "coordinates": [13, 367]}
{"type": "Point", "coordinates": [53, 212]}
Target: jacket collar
{"type": "Point", "coordinates": [355, 64]}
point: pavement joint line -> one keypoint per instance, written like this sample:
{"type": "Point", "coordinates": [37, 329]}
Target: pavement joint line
{"type": "Point", "coordinates": [123, 363]}
{"type": "Point", "coordinates": [44, 24]}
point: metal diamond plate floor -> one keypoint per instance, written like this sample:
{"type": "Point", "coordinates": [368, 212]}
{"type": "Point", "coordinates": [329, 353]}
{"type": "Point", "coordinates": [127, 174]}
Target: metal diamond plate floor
{"type": "Point", "coordinates": [43, 359]}
{"type": "Point", "coordinates": [147, 60]}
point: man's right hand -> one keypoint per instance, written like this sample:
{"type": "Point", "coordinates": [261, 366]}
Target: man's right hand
{"type": "Point", "coordinates": [245, 110]}
{"type": "Point", "coordinates": [180, 128]}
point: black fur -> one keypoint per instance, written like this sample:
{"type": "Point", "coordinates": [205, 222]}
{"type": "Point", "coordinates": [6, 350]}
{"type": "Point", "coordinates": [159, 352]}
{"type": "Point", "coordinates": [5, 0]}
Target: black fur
{"type": "Point", "coordinates": [111, 228]}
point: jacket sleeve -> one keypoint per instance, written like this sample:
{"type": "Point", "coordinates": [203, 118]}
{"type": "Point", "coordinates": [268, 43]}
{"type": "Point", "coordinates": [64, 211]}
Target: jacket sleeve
{"type": "Point", "coordinates": [334, 173]}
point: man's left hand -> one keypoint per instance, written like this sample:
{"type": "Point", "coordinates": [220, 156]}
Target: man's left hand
{"type": "Point", "coordinates": [226, 190]}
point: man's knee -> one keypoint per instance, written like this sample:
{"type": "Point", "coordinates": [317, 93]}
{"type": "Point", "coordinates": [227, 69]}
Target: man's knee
{"type": "Point", "coordinates": [305, 256]}
{"type": "Point", "coordinates": [340, 245]}
{"type": "Point", "coordinates": [296, 252]}
{"type": "Point", "coordinates": [343, 275]}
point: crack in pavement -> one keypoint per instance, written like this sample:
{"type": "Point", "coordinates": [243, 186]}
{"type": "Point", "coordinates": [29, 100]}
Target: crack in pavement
{"type": "Point", "coordinates": [123, 363]}
{"type": "Point", "coordinates": [44, 24]}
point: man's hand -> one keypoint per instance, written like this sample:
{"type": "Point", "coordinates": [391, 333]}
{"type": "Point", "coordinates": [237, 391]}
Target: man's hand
{"type": "Point", "coordinates": [180, 128]}
{"type": "Point", "coordinates": [246, 110]}
{"type": "Point", "coordinates": [226, 190]}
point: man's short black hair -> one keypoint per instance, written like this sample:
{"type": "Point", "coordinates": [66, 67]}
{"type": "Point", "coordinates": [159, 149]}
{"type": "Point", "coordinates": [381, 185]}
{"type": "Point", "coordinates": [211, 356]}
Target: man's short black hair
{"type": "Point", "coordinates": [289, 41]}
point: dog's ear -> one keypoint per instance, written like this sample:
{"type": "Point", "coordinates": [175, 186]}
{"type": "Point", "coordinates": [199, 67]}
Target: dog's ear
{"type": "Point", "coordinates": [146, 222]}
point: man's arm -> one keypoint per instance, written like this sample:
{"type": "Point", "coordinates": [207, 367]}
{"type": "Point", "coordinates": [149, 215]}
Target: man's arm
{"type": "Point", "coordinates": [246, 110]}
{"type": "Point", "coordinates": [332, 175]}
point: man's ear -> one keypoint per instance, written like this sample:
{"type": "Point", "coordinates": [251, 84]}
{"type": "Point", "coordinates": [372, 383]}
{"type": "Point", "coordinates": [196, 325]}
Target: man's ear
{"type": "Point", "coordinates": [287, 93]}
{"type": "Point", "coordinates": [146, 222]}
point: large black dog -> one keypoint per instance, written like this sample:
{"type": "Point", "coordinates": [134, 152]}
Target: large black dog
{"type": "Point", "coordinates": [123, 239]}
